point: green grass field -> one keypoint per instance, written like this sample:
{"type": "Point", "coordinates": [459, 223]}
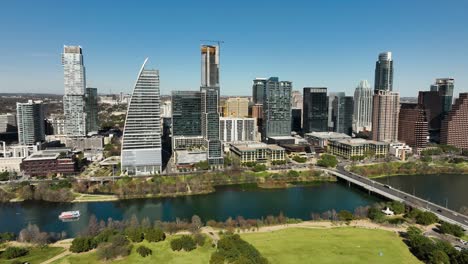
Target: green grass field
{"type": "Point", "coordinates": [336, 245]}
{"type": "Point", "coordinates": [36, 255]}
{"type": "Point", "coordinates": [292, 245]}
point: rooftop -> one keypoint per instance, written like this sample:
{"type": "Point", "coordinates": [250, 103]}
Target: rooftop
{"type": "Point", "coordinates": [328, 135]}
{"type": "Point", "coordinates": [359, 142]}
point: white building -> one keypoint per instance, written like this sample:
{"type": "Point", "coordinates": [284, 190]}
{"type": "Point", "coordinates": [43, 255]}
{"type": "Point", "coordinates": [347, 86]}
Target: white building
{"type": "Point", "coordinates": [237, 129]}
{"type": "Point", "coordinates": [74, 97]}
{"type": "Point", "coordinates": [141, 141]}
{"type": "Point", "coordinates": [362, 118]}
{"type": "Point", "coordinates": [7, 122]}
{"type": "Point", "coordinates": [400, 150]}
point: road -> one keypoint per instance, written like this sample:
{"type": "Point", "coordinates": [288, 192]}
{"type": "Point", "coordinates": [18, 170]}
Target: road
{"type": "Point", "coordinates": [394, 194]}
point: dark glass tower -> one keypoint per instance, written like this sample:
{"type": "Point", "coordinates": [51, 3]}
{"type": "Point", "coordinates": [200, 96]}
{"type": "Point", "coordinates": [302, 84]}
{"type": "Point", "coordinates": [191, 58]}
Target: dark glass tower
{"type": "Point", "coordinates": [384, 72]}
{"type": "Point", "coordinates": [186, 113]}
{"type": "Point", "coordinates": [257, 90]}
{"type": "Point", "coordinates": [315, 112]}
{"type": "Point", "coordinates": [342, 114]}
{"type": "Point", "coordinates": [276, 108]}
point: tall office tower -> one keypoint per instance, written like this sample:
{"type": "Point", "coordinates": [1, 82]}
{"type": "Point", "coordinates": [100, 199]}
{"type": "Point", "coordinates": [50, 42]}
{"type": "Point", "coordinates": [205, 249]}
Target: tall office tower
{"type": "Point", "coordinates": [186, 113]}
{"type": "Point", "coordinates": [141, 141]}
{"type": "Point", "coordinates": [234, 129]}
{"type": "Point", "coordinates": [413, 126]}
{"type": "Point", "coordinates": [276, 108]}
{"type": "Point", "coordinates": [455, 126]}
{"type": "Point", "coordinates": [296, 120]}
{"type": "Point", "coordinates": [445, 88]}
{"type": "Point", "coordinates": [236, 107]}
{"type": "Point", "coordinates": [315, 112]}
{"type": "Point", "coordinates": [384, 73]}
{"type": "Point", "coordinates": [296, 99]}
{"type": "Point", "coordinates": [362, 107]}
{"type": "Point", "coordinates": [30, 120]}
{"type": "Point", "coordinates": [257, 113]}
{"type": "Point", "coordinates": [331, 99]}
{"type": "Point", "coordinates": [386, 107]}
{"type": "Point", "coordinates": [7, 123]}
{"type": "Point", "coordinates": [92, 121]}
{"type": "Point", "coordinates": [210, 103]}
{"type": "Point", "coordinates": [74, 97]}
{"type": "Point", "coordinates": [258, 89]}
{"type": "Point", "coordinates": [342, 114]}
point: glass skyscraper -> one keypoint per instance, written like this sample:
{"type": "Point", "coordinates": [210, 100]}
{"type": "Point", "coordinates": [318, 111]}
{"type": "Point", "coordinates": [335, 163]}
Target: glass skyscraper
{"type": "Point", "coordinates": [91, 106]}
{"type": "Point", "coordinates": [30, 121]}
{"type": "Point", "coordinates": [315, 112]}
{"type": "Point", "coordinates": [384, 72]}
{"type": "Point", "coordinates": [342, 114]}
{"type": "Point", "coordinates": [258, 89]}
{"type": "Point", "coordinates": [141, 141]}
{"type": "Point", "coordinates": [276, 108]}
{"type": "Point", "coordinates": [186, 113]}
{"type": "Point", "coordinates": [362, 113]}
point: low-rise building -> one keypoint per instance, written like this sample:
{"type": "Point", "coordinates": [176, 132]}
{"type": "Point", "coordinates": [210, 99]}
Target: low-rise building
{"type": "Point", "coordinates": [10, 164]}
{"type": "Point", "coordinates": [44, 163]}
{"type": "Point", "coordinates": [400, 150]}
{"type": "Point", "coordinates": [85, 143]}
{"type": "Point", "coordinates": [358, 147]}
{"type": "Point", "coordinates": [257, 152]}
{"type": "Point", "coordinates": [321, 139]}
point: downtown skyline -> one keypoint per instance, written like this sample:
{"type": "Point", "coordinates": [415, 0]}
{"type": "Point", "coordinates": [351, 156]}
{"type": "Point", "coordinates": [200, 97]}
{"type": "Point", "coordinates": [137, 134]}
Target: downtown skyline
{"type": "Point", "coordinates": [307, 52]}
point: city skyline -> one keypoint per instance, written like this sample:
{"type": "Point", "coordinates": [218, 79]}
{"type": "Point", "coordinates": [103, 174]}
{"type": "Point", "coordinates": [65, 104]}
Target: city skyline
{"type": "Point", "coordinates": [244, 59]}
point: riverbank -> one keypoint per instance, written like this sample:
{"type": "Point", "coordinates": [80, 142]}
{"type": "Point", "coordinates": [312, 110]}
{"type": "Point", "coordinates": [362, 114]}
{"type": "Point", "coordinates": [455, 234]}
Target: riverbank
{"type": "Point", "coordinates": [409, 168]}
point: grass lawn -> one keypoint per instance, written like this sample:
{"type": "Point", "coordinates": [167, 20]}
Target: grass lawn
{"type": "Point", "coordinates": [162, 253]}
{"type": "Point", "coordinates": [336, 245]}
{"type": "Point", "coordinates": [36, 255]}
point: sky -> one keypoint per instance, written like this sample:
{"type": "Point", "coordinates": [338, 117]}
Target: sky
{"type": "Point", "coordinates": [328, 43]}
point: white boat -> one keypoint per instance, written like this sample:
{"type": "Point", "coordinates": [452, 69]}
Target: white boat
{"type": "Point", "coordinates": [69, 215]}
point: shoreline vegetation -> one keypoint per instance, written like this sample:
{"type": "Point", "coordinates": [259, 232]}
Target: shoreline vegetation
{"type": "Point", "coordinates": [380, 170]}
{"type": "Point", "coordinates": [158, 186]}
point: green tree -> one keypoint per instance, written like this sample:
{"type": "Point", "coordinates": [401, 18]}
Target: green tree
{"type": "Point", "coordinates": [202, 165]}
{"type": "Point", "coordinates": [15, 252]}
{"type": "Point", "coordinates": [439, 257]}
{"type": "Point", "coordinates": [144, 251]}
{"type": "Point", "coordinates": [155, 235]}
{"type": "Point", "coordinates": [135, 234]}
{"type": "Point", "coordinates": [344, 215]}
{"type": "Point", "coordinates": [447, 228]}
{"type": "Point", "coordinates": [426, 218]}
{"type": "Point", "coordinates": [259, 167]}
{"type": "Point", "coordinates": [397, 207]}
{"type": "Point", "coordinates": [82, 244]}
{"type": "Point", "coordinates": [293, 173]}
{"type": "Point", "coordinates": [327, 161]}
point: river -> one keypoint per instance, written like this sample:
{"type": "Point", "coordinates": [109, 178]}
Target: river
{"type": "Point", "coordinates": [228, 201]}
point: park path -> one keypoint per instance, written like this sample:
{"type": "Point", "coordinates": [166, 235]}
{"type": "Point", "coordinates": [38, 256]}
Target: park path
{"type": "Point", "coordinates": [66, 243]}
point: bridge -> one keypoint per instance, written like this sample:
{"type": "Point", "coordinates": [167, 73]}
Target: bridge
{"type": "Point", "coordinates": [388, 192]}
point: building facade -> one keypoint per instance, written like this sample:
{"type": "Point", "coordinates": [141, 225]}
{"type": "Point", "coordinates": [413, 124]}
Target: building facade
{"type": "Point", "coordinates": [386, 108]}
{"type": "Point", "coordinates": [455, 126]}
{"type": "Point", "coordinates": [296, 120]}
{"type": "Point", "coordinates": [257, 152]}
{"type": "Point", "coordinates": [74, 98]}
{"type": "Point", "coordinates": [362, 116]}
{"type": "Point", "coordinates": [92, 110]}
{"type": "Point", "coordinates": [186, 113]}
{"type": "Point", "coordinates": [141, 141]}
{"type": "Point", "coordinates": [296, 99]}
{"type": "Point", "coordinates": [276, 108]}
{"type": "Point", "coordinates": [234, 129]}
{"type": "Point", "coordinates": [236, 107]}
{"type": "Point", "coordinates": [384, 72]}
{"type": "Point", "coordinates": [342, 114]}
{"type": "Point", "coordinates": [258, 89]}
{"type": "Point", "coordinates": [7, 123]}
{"type": "Point", "coordinates": [30, 121]}
{"type": "Point", "coordinates": [413, 126]}
{"type": "Point", "coordinates": [358, 147]}
{"type": "Point", "coordinates": [315, 110]}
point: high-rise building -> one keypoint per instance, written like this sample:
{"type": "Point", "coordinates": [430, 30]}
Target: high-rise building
{"type": "Point", "coordinates": [210, 103]}
{"type": "Point", "coordinates": [186, 113]}
{"type": "Point", "coordinates": [296, 120]}
{"type": "Point", "coordinates": [342, 114]}
{"type": "Point", "coordinates": [384, 72]}
{"type": "Point", "coordinates": [455, 125]}
{"type": "Point", "coordinates": [386, 107]}
{"type": "Point", "coordinates": [92, 121]}
{"type": "Point", "coordinates": [236, 107]}
{"type": "Point", "coordinates": [413, 126]}
{"type": "Point", "coordinates": [331, 98]}
{"type": "Point", "coordinates": [74, 98]}
{"type": "Point", "coordinates": [258, 89]}
{"type": "Point", "coordinates": [315, 112]}
{"type": "Point", "coordinates": [276, 108]}
{"type": "Point", "coordinates": [7, 123]}
{"type": "Point", "coordinates": [445, 88]}
{"type": "Point", "coordinates": [235, 129]}
{"type": "Point", "coordinates": [31, 124]}
{"type": "Point", "coordinates": [141, 141]}
{"type": "Point", "coordinates": [257, 113]}
{"type": "Point", "coordinates": [362, 107]}
{"type": "Point", "coordinates": [296, 99]}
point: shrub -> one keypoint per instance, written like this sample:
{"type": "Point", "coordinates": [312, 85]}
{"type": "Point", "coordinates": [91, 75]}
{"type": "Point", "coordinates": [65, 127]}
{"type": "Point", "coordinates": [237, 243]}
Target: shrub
{"type": "Point", "coordinates": [259, 167]}
{"type": "Point", "coordinates": [345, 215]}
{"type": "Point", "coordinates": [144, 251]}
{"type": "Point", "coordinates": [155, 235]}
{"type": "Point", "coordinates": [397, 207]}
{"type": "Point", "coordinates": [176, 244]}
{"type": "Point", "coordinates": [185, 242]}
{"type": "Point", "coordinates": [447, 228]}
{"type": "Point", "coordinates": [104, 236]}
{"type": "Point", "coordinates": [14, 252]}
{"type": "Point", "coordinates": [7, 236]}
{"type": "Point", "coordinates": [233, 249]}
{"type": "Point", "coordinates": [119, 246]}
{"type": "Point", "coordinates": [299, 159]}
{"type": "Point", "coordinates": [327, 160]}
{"type": "Point", "coordinates": [426, 218]}
{"type": "Point", "coordinates": [82, 244]}
{"type": "Point", "coordinates": [375, 214]}
{"type": "Point", "coordinates": [135, 234]}
{"type": "Point", "coordinates": [293, 173]}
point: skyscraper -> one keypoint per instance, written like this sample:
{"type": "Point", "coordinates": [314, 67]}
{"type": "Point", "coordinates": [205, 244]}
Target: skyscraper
{"type": "Point", "coordinates": [276, 108]}
{"type": "Point", "coordinates": [296, 99]}
{"type": "Point", "coordinates": [141, 141]}
{"type": "Point", "coordinates": [445, 88]}
{"type": "Point", "coordinates": [258, 89]}
{"type": "Point", "coordinates": [296, 120]}
{"type": "Point", "coordinates": [74, 97]}
{"type": "Point", "coordinates": [342, 114]}
{"type": "Point", "coordinates": [315, 112]}
{"type": "Point", "coordinates": [186, 113]}
{"type": "Point", "coordinates": [413, 126]}
{"type": "Point", "coordinates": [236, 107]}
{"type": "Point", "coordinates": [30, 121]}
{"type": "Point", "coordinates": [210, 103]}
{"type": "Point", "coordinates": [384, 72]}
{"type": "Point", "coordinates": [386, 107]}
{"type": "Point", "coordinates": [238, 129]}
{"type": "Point", "coordinates": [362, 107]}
{"type": "Point", "coordinates": [331, 100]}
{"type": "Point", "coordinates": [91, 106]}
{"type": "Point", "coordinates": [455, 126]}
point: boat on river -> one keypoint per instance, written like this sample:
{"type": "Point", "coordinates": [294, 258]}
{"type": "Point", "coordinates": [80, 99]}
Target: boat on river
{"type": "Point", "coordinates": [69, 215]}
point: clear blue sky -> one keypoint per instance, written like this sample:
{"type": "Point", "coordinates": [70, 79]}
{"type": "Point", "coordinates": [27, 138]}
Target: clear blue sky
{"type": "Point", "coordinates": [311, 43]}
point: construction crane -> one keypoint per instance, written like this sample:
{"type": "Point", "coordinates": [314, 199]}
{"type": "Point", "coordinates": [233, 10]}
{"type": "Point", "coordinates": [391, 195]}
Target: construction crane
{"type": "Point", "coordinates": [215, 41]}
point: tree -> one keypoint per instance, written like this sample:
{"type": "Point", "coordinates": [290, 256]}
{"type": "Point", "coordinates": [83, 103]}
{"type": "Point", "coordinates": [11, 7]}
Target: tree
{"type": "Point", "coordinates": [426, 218]}
{"type": "Point", "coordinates": [135, 234]}
{"type": "Point", "coordinates": [82, 244]}
{"type": "Point", "coordinates": [144, 251]}
{"type": "Point", "coordinates": [397, 207]}
{"type": "Point", "coordinates": [447, 228]}
{"type": "Point", "coordinates": [155, 235]}
{"type": "Point", "coordinates": [93, 226]}
{"type": "Point", "coordinates": [439, 257]}
{"type": "Point", "coordinates": [14, 252]}
{"type": "Point", "coordinates": [202, 165]}
{"type": "Point", "coordinates": [199, 239]}
{"type": "Point", "coordinates": [327, 161]}
{"type": "Point", "coordinates": [293, 173]}
{"type": "Point", "coordinates": [259, 167]}
{"type": "Point", "coordinates": [118, 246]}
{"type": "Point", "coordinates": [185, 242]}
{"type": "Point", "coordinates": [375, 214]}
{"type": "Point", "coordinates": [196, 223]}
{"type": "Point", "coordinates": [344, 215]}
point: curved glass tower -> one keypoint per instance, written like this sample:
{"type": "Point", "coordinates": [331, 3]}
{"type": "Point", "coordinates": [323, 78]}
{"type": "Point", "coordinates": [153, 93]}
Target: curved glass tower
{"type": "Point", "coordinates": [141, 142]}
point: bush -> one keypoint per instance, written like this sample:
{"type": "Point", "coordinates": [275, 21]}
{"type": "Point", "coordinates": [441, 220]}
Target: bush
{"type": "Point", "coordinates": [7, 236]}
{"type": "Point", "coordinates": [293, 173]}
{"type": "Point", "coordinates": [299, 159]}
{"type": "Point", "coordinates": [199, 239]}
{"type": "Point", "coordinates": [426, 218]}
{"type": "Point", "coordinates": [259, 167]}
{"type": "Point", "coordinates": [104, 236]}
{"type": "Point", "coordinates": [135, 234]}
{"type": "Point", "coordinates": [397, 207]}
{"type": "Point", "coordinates": [345, 215]}
{"type": "Point", "coordinates": [144, 251]}
{"type": "Point", "coordinates": [447, 228]}
{"type": "Point", "coordinates": [327, 161]}
{"type": "Point", "coordinates": [155, 235]}
{"type": "Point", "coordinates": [233, 249]}
{"type": "Point", "coordinates": [118, 247]}
{"type": "Point", "coordinates": [82, 244]}
{"type": "Point", "coordinates": [14, 252]}
{"type": "Point", "coordinates": [375, 214]}
{"type": "Point", "coordinates": [185, 242]}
